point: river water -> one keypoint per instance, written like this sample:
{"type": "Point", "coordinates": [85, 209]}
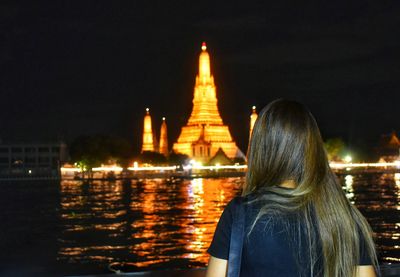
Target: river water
{"type": "Point", "coordinates": [76, 228]}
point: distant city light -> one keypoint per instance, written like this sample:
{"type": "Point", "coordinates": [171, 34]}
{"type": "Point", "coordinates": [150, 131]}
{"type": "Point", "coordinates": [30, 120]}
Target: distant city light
{"type": "Point", "coordinates": [194, 165]}
{"type": "Point", "coordinates": [152, 168]}
{"type": "Point", "coordinates": [70, 169]}
{"type": "Point", "coordinates": [107, 168]}
{"type": "Point", "coordinates": [353, 165]}
{"type": "Point", "coordinates": [348, 159]}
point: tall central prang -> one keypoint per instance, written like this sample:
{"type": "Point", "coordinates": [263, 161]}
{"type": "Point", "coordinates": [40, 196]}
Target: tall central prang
{"type": "Point", "coordinates": [205, 133]}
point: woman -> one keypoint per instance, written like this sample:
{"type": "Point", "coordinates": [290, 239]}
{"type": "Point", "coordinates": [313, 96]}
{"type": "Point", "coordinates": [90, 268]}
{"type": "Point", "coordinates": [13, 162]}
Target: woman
{"type": "Point", "coordinates": [298, 219]}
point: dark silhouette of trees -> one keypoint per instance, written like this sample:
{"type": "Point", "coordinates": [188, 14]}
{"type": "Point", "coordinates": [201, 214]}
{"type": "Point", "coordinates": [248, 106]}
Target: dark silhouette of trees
{"type": "Point", "coordinates": [92, 151]}
{"type": "Point", "coordinates": [95, 150]}
{"type": "Point", "coordinates": [151, 157]}
{"type": "Point", "coordinates": [335, 148]}
{"type": "Point", "coordinates": [177, 158]}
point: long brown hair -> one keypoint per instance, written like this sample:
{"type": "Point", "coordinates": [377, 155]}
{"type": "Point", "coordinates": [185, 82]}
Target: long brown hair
{"type": "Point", "coordinates": [286, 145]}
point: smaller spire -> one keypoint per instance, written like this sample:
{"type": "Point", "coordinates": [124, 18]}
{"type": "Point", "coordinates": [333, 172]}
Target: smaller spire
{"type": "Point", "coordinates": [204, 46]}
{"type": "Point", "coordinates": [253, 118]}
{"type": "Point", "coordinates": [148, 140]}
{"type": "Point", "coordinates": [163, 138]}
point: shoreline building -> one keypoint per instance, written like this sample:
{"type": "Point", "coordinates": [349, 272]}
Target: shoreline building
{"type": "Point", "coordinates": [205, 133]}
{"type": "Point", "coordinates": [32, 159]}
{"type": "Point", "coordinates": [389, 148]}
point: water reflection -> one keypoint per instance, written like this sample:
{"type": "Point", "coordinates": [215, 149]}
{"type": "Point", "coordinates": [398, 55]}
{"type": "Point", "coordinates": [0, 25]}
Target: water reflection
{"type": "Point", "coordinates": [170, 223]}
{"type": "Point", "coordinates": [377, 197]}
{"type": "Point", "coordinates": [91, 215]}
{"type": "Point", "coordinates": [348, 188]}
{"type": "Point", "coordinates": [397, 180]}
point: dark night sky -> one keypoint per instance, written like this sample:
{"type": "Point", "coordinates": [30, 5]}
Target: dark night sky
{"type": "Point", "coordinates": [93, 67]}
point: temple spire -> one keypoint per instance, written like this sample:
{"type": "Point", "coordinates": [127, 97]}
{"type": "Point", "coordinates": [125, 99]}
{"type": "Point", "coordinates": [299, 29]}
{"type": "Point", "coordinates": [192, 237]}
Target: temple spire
{"type": "Point", "coordinates": [205, 109]}
{"type": "Point", "coordinates": [253, 118]}
{"type": "Point", "coordinates": [164, 138]}
{"type": "Point", "coordinates": [148, 143]}
{"type": "Point", "coordinates": [204, 65]}
{"type": "Point", "coordinates": [205, 131]}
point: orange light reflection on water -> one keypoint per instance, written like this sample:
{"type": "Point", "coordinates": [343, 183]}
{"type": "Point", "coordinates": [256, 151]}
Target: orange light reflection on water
{"type": "Point", "coordinates": [179, 225]}
{"type": "Point", "coordinates": [88, 212]}
{"type": "Point", "coordinates": [162, 224]}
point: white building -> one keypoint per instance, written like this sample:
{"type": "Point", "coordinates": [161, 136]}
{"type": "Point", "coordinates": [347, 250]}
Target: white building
{"type": "Point", "coordinates": [35, 159]}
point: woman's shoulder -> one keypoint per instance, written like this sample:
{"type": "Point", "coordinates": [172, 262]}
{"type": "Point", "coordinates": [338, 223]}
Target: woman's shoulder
{"type": "Point", "coordinates": [240, 200]}
{"type": "Point", "coordinates": [235, 202]}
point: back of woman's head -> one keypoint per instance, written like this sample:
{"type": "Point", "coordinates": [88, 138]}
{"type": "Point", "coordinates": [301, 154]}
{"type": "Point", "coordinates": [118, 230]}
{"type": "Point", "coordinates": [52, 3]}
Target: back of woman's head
{"type": "Point", "coordinates": [285, 145]}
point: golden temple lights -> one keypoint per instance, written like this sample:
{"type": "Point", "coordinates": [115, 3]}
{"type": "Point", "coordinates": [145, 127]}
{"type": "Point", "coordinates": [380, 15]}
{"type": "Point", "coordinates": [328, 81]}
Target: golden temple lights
{"type": "Point", "coordinates": [205, 131]}
{"type": "Point", "coordinates": [204, 46]}
{"type": "Point", "coordinates": [148, 142]}
{"type": "Point", "coordinates": [253, 118]}
{"type": "Point", "coordinates": [204, 66]}
{"type": "Point", "coordinates": [163, 138]}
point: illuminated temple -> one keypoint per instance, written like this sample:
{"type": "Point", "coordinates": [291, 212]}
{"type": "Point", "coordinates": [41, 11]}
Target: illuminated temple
{"type": "Point", "coordinates": [205, 132]}
{"type": "Point", "coordinates": [148, 138]}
